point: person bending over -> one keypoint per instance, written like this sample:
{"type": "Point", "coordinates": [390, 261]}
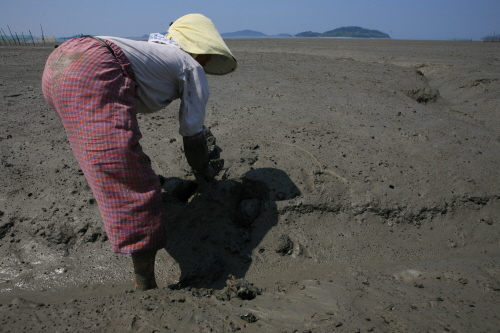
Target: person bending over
{"type": "Point", "coordinates": [96, 85]}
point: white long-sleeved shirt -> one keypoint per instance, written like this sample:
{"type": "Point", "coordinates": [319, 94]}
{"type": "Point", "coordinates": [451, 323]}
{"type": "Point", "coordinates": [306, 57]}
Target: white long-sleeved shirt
{"type": "Point", "coordinates": [165, 73]}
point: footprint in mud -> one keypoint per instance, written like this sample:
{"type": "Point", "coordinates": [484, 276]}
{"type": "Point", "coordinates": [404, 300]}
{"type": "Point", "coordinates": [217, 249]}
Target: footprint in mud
{"type": "Point", "coordinates": [213, 234]}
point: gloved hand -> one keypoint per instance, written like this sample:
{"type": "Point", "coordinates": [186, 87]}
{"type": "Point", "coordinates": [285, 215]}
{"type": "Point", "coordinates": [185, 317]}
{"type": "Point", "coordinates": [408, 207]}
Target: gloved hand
{"type": "Point", "coordinates": [198, 157]}
{"type": "Point", "coordinates": [196, 151]}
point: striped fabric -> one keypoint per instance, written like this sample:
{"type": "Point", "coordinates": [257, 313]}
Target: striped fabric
{"type": "Point", "coordinates": [88, 88]}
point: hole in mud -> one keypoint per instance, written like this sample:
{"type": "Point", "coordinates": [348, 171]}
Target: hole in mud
{"type": "Point", "coordinates": [177, 189]}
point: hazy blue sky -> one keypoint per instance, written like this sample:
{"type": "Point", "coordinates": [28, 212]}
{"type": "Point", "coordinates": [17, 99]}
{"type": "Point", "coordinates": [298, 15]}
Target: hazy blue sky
{"type": "Point", "coordinates": [401, 19]}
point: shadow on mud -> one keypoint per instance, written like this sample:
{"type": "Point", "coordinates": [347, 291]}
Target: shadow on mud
{"type": "Point", "coordinates": [213, 235]}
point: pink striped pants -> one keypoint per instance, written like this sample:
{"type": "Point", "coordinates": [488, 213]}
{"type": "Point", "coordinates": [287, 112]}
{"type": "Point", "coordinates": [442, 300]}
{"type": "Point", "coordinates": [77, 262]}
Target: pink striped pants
{"type": "Point", "coordinates": [86, 86]}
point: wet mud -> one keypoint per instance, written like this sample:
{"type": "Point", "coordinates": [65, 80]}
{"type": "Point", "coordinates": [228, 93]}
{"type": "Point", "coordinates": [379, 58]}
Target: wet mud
{"type": "Point", "coordinates": [358, 192]}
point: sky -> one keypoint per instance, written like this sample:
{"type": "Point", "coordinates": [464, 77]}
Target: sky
{"type": "Point", "coordinates": [401, 19]}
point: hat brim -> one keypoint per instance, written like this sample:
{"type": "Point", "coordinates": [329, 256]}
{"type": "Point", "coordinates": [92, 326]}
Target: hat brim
{"type": "Point", "coordinates": [220, 65]}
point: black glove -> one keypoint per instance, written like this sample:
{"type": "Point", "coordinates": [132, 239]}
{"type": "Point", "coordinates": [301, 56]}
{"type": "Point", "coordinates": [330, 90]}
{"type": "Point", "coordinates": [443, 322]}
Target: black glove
{"type": "Point", "coordinates": [196, 151]}
{"type": "Point", "coordinates": [202, 155]}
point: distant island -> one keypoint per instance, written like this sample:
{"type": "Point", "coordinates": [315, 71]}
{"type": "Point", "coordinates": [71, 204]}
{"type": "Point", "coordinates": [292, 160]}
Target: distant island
{"type": "Point", "coordinates": [346, 32]}
{"type": "Point", "coordinates": [244, 33]}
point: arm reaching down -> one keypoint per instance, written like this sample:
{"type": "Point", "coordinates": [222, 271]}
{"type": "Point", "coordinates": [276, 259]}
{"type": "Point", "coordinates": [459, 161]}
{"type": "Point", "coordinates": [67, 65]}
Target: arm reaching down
{"type": "Point", "coordinates": [198, 156]}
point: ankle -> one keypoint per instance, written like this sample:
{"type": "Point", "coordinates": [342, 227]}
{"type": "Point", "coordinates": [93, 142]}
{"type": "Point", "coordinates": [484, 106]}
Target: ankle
{"type": "Point", "coordinates": [144, 272]}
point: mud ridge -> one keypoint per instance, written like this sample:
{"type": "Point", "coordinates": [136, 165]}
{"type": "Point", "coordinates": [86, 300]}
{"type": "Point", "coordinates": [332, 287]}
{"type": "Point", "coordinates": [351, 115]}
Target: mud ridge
{"type": "Point", "coordinates": [400, 214]}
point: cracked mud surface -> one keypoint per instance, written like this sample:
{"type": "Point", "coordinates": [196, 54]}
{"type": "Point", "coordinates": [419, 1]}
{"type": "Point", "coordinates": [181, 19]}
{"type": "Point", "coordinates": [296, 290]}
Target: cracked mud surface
{"type": "Point", "coordinates": [359, 194]}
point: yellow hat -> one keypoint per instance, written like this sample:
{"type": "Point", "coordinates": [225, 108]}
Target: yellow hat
{"type": "Point", "coordinates": [196, 34]}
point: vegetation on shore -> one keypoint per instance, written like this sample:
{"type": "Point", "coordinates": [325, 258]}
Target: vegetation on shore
{"type": "Point", "coordinates": [491, 38]}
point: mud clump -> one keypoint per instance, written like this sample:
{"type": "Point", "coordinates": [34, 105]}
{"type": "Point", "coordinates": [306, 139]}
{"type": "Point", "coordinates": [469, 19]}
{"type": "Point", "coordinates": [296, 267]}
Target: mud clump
{"type": "Point", "coordinates": [238, 288]}
{"type": "Point", "coordinates": [248, 210]}
{"type": "Point", "coordinates": [249, 317]}
{"type": "Point", "coordinates": [284, 245]}
{"type": "Point", "coordinates": [424, 95]}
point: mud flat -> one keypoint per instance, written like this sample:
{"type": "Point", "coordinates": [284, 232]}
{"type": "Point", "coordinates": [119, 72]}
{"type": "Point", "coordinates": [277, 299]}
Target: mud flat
{"type": "Point", "coordinates": [360, 193]}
